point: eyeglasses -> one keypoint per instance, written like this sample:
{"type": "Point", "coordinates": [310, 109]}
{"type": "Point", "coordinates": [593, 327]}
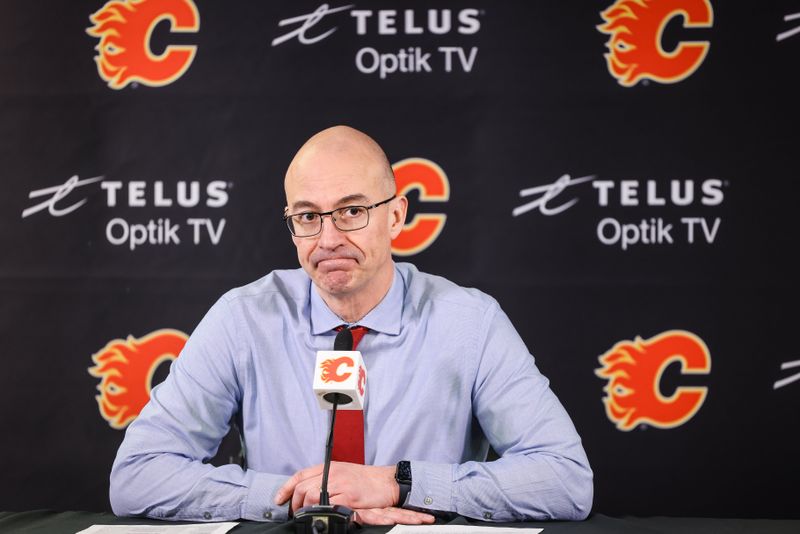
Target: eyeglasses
{"type": "Point", "coordinates": [346, 219]}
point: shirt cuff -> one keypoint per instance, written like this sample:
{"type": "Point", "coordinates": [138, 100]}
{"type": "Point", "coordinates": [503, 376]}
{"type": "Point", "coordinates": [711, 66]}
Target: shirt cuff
{"type": "Point", "coordinates": [260, 502]}
{"type": "Point", "coordinates": [431, 486]}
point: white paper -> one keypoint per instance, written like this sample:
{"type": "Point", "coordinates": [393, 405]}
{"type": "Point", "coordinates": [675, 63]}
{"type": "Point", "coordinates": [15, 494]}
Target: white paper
{"type": "Point", "coordinates": [196, 528]}
{"type": "Point", "coordinates": [460, 529]}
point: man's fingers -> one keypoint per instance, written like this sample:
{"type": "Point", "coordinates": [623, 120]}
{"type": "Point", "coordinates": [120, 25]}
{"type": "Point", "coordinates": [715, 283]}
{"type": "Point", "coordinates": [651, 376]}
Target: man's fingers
{"type": "Point", "coordinates": [355, 486]}
{"type": "Point", "coordinates": [302, 492]}
{"type": "Point", "coordinates": [392, 516]}
{"type": "Point", "coordinates": [288, 487]}
{"type": "Point", "coordinates": [311, 495]}
{"type": "Point", "coordinates": [297, 499]}
{"type": "Point", "coordinates": [343, 499]}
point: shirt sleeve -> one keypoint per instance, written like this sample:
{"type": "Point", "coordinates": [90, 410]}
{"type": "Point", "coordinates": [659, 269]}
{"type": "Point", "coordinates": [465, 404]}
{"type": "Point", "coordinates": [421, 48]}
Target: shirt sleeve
{"type": "Point", "coordinates": [161, 468]}
{"type": "Point", "coordinates": [542, 472]}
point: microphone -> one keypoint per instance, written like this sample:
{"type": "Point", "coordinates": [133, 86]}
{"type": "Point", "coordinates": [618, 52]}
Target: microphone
{"type": "Point", "coordinates": [340, 375]}
{"type": "Point", "coordinates": [344, 340]}
{"type": "Point", "coordinates": [339, 382]}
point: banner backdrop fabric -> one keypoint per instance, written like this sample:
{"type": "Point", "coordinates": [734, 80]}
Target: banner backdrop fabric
{"type": "Point", "coordinates": [622, 176]}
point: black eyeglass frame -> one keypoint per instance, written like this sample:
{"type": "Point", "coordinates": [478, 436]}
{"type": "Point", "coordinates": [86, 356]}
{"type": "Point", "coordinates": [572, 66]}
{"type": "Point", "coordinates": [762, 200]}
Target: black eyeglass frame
{"type": "Point", "coordinates": [330, 213]}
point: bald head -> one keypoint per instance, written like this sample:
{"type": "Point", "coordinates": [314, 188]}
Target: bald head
{"type": "Point", "coordinates": [346, 150]}
{"type": "Point", "coordinates": [333, 172]}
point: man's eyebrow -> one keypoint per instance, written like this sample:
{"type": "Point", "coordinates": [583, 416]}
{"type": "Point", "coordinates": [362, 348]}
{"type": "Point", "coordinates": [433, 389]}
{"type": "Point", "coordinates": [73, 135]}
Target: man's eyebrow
{"type": "Point", "coordinates": [304, 204]}
{"type": "Point", "coordinates": [348, 200]}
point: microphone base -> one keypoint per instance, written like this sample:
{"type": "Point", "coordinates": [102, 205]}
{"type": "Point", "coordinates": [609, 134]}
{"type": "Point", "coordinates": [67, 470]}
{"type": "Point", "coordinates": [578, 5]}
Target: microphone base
{"type": "Point", "coordinates": [322, 519]}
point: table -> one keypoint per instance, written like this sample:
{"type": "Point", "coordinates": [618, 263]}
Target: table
{"type": "Point", "coordinates": [53, 522]}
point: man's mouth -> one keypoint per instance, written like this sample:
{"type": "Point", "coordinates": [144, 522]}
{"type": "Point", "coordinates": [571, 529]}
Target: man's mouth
{"type": "Point", "coordinates": [335, 264]}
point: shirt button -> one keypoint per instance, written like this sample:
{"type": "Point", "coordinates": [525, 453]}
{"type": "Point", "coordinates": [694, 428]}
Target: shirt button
{"type": "Point", "coordinates": [428, 500]}
{"type": "Point", "coordinates": [487, 515]}
{"type": "Point", "coordinates": [206, 515]}
{"type": "Point", "coordinates": [267, 515]}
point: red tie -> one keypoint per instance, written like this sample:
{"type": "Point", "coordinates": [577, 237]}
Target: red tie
{"type": "Point", "coordinates": [348, 433]}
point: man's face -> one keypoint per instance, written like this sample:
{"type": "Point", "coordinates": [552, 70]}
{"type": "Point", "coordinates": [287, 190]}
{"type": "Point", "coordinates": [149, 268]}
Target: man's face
{"type": "Point", "coordinates": [344, 263]}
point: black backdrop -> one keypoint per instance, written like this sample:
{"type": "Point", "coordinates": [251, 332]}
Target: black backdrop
{"type": "Point", "coordinates": [529, 100]}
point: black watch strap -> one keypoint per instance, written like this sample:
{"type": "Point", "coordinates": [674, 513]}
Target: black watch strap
{"type": "Point", "coordinates": [403, 477]}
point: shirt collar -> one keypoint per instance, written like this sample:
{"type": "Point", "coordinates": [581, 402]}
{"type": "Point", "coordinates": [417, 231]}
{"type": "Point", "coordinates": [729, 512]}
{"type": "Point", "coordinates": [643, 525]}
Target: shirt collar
{"type": "Point", "coordinates": [384, 318]}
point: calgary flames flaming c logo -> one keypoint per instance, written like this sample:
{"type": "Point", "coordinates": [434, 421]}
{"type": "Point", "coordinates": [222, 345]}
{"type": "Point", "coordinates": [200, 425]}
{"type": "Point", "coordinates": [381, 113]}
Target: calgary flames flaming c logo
{"type": "Point", "coordinates": [126, 371]}
{"type": "Point", "coordinates": [635, 50]}
{"type": "Point", "coordinates": [125, 28]}
{"type": "Point", "coordinates": [330, 369]}
{"type": "Point", "coordinates": [634, 370]}
{"type": "Point", "coordinates": [430, 180]}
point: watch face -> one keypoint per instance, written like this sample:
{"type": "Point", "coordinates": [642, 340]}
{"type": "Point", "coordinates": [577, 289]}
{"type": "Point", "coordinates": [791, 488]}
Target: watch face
{"type": "Point", "coordinates": [403, 473]}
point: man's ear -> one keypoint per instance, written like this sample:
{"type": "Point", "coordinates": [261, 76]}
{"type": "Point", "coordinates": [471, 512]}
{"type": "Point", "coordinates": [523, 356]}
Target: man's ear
{"type": "Point", "coordinates": [397, 215]}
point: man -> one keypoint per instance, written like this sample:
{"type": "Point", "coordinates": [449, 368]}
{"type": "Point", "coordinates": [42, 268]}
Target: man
{"type": "Point", "coordinates": [448, 376]}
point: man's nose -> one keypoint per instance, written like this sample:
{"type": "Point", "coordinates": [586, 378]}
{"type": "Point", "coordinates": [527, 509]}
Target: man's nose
{"type": "Point", "coordinates": [330, 237]}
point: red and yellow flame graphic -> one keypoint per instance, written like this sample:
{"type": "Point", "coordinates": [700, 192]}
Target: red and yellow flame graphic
{"type": "Point", "coordinates": [433, 186]}
{"type": "Point", "coordinates": [634, 369]}
{"type": "Point", "coordinates": [125, 28]}
{"type": "Point", "coordinates": [330, 369]}
{"type": "Point", "coordinates": [126, 369]}
{"type": "Point", "coordinates": [635, 50]}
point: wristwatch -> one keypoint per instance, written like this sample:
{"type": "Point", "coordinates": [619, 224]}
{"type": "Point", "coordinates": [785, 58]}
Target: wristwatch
{"type": "Point", "coordinates": [403, 477]}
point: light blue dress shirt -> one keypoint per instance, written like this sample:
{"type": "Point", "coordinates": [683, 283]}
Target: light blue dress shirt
{"type": "Point", "coordinates": [447, 376]}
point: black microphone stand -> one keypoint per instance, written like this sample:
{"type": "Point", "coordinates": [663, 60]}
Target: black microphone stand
{"type": "Point", "coordinates": [324, 498]}
{"type": "Point", "coordinates": [325, 518]}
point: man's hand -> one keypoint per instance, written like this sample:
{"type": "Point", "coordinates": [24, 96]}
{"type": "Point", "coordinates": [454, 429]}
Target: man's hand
{"type": "Point", "coordinates": [372, 490]}
{"type": "Point", "coordinates": [392, 516]}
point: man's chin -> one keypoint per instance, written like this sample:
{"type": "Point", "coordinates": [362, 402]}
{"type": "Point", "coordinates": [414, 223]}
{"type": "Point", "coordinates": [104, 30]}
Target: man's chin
{"type": "Point", "coordinates": [335, 282]}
